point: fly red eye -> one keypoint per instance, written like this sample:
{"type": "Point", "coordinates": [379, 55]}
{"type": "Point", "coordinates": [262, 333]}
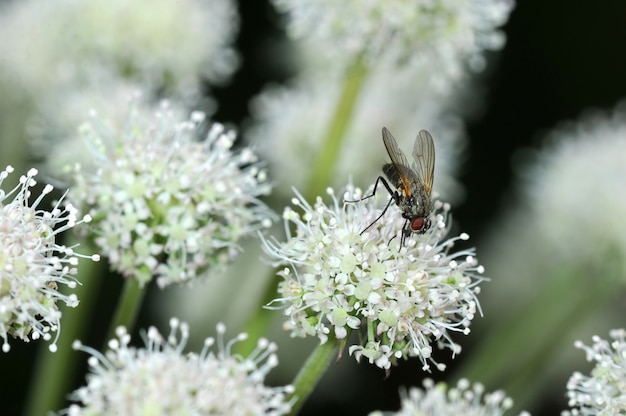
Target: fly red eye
{"type": "Point", "coordinates": [417, 224]}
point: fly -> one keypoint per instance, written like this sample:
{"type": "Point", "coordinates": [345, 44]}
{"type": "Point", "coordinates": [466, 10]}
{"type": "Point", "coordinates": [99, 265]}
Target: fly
{"type": "Point", "coordinates": [411, 185]}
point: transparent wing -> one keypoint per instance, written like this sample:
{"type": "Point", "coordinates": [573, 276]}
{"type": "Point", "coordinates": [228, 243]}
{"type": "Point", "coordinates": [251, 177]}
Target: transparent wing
{"type": "Point", "coordinates": [396, 155]}
{"type": "Point", "coordinates": [424, 155]}
{"type": "Point", "coordinates": [398, 159]}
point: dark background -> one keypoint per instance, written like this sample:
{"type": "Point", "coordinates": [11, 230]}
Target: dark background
{"type": "Point", "coordinates": [561, 58]}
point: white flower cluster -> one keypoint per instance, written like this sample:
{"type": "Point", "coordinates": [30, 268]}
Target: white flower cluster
{"type": "Point", "coordinates": [438, 399]}
{"type": "Point", "coordinates": [32, 263]}
{"type": "Point", "coordinates": [165, 204]}
{"type": "Point", "coordinates": [444, 34]}
{"type": "Point", "coordinates": [163, 44]}
{"type": "Point", "coordinates": [401, 299]}
{"type": "Point", "coordinates": [604, 391]}
{"type": "Point", "coordinates": [162, 380]}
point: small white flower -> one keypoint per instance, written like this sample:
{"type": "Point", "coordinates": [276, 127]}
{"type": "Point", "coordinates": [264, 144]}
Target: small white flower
{"type": "Point", "coordinates": [166, 204]}
{"type": "Point", "coordinates": [32, 263]}
{"type": "Point", "coordinates": [604, 391]}
{"type": "Point", "coordinates": [160, 379]}
{"type": "Point", "coordinates": [400, 299]}
{"type": "Point", "coordinates": [439, 400]}
{"type": "Point", "coordinates": [444, 34]}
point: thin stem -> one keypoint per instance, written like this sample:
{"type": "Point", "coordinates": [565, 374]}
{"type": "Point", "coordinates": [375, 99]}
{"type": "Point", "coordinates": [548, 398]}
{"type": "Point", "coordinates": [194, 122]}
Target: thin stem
{"type": "Point", "coordinates": [258, 325]}
{"type": "Point", "coordinates": [320, 178]}
{"type": "Point", "coordinates": [312, 371]}
{"type": "Point", "coordinates": [128, 307]}
{"type": "Point", "coordinates": [323, 168]}
{"type": "Point", "coordinates": [508, 350]}
{"type": "Point", "coordinates": [55, 372]}
{"type": "Point", "coordinates": [579, 305]}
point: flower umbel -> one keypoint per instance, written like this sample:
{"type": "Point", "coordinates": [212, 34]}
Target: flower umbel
{"type": "Point", "coordinates": [403, 298]}
{"type": "Point", "coordinates": [164, 203]}
{"type": "Point", "coordinates": [164, 45]}
{"type": "Point", "coordinates": [604, 391]}
{"type": "Point", "coordinates": [32, 263]}
{"type": "Point", "coordinates": [160, 379]}
{"type": "Point", "coordinates": [438, 399]}
{"type": "Point", "coordinates": [443, 33]}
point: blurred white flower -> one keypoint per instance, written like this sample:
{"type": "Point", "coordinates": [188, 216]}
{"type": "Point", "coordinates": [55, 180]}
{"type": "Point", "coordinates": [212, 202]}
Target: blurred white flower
{"type": "Point", "coordinates": [439, 400]}
{"type": "Point", "coordinates": [290, 123]}
{"type": "Point", "coordinates": [164, 44]}
{"type": "Point", "coordinates": [444, 34]}
{"type": "Point", "coordinates": [166, 204]}
{"type": "Point", "coordinates": [160, 379]}
{"type": "Point", "coordinates": [577, 190]}
{"type": "Point", "coordinates": [564, 218]}
{"type": "Point", "coordinates": [56, 128]}
{"type": "Point", "coordinates": [400, 299]}
{"type": "Point", "coordinates": [603, 392]}
{"type": "Point", "coordinates": [32, 263]}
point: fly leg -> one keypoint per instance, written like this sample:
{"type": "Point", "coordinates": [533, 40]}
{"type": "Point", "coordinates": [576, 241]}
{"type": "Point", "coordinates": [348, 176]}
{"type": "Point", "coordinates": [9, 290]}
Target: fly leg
{"type": "Point", "coordinates": [394, 198]}
{"type": "Point", "coordinates": [394, 195]}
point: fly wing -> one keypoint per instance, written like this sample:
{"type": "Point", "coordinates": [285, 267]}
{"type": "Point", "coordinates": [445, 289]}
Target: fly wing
{"type": "Point", "coordinates": [398, 160]}
{"type": "Point", "coordinates": [424, 155]}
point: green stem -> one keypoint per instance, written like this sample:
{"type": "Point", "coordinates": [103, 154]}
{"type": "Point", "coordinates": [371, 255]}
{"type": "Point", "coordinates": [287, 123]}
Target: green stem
{"type": "Point", "coordinates": [321, 174]}
{"type": "Point", "coordinates": [579, 304]}
{"type": "Point", "coordinates": [16, 110]}
{"type": "Point", "coordinates": [55, 372]}
{"type": "Point", "coordinates": [527, 342]}
{"type": "Point", "coordinates": [128, 307]}
{"type": "Point", "coordinates": [312, 371]}
{"type": "Point", "coordinates": [258, 325]}
{"type": "Point", "coordinates": [323, 168]}
{"type": "Point", "coordinates": [524, 386]}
